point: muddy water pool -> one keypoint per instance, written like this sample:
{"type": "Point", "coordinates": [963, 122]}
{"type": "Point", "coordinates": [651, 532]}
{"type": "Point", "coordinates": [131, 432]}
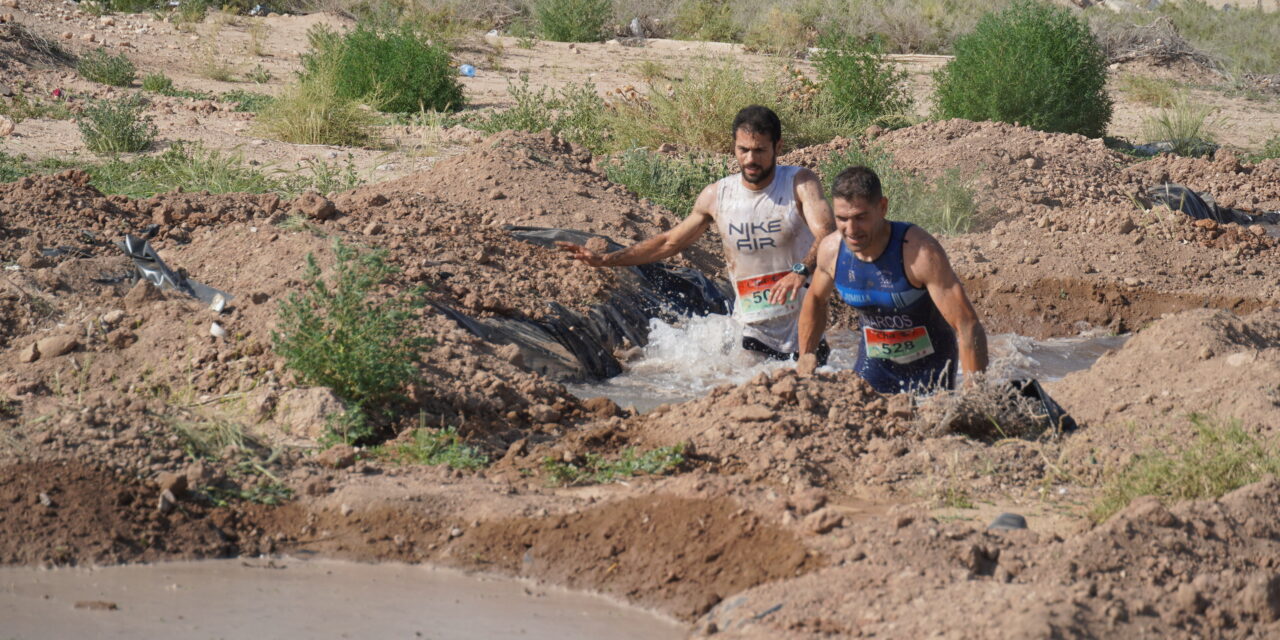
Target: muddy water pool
{"type": "Point", "coordinates": [289, 598]}
{"type": "Point", "coordinates": [686, 360]}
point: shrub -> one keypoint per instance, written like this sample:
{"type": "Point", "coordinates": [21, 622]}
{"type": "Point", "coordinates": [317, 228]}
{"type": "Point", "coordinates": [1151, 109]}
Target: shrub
{"type": "Point", "coordinates": [100, 66]}
{"type": "Point", "coordinates": [1033, 64]}
{"type": "Point", "coordinates": [780, 32]}
{"type": "Point", "coordinates": [342, 334]}
{"type": "Point", "coordinates": [393, 70]}
{"type": "Point", "coordinates": [157, 83]}
{"type": "Point", "coordinates": [311, 112]}
{"type": "Point", "coordinates": [943, 206]}
{"type": "Point", "coordinates": [1242, 40]}
{"type": "Point", "coordinates": [1147, 90]}
{"type": "Point", "coordinates": [670, 182]}
{"type": "Point", "coordinates": [20, 107]}
{"type": "Point", "coordinates": [436, 447]}
{"type": "Point", "coordinates": [1270, 150]}
{"type": "Point", "coordinates": [706, 20]}
{"type": "Point", "coordinates": [861, 83]}
{"type": "Point", "coordinates": [594, 468]}
{"type": "Point", "coordinates": [572, 20]}
{"type": "Point", "coordinates": [189, 166]}
{"type": "Point", "coordinates": [1187, 126]}
{"type": "Point", "coordinates": [574, 112]}
{"type": "Point", "coordinates": [1222, 458]}
{"type": "Point", "coordinates": [114, 126]}
{"type": "Point", "coordinates": [247, 101]}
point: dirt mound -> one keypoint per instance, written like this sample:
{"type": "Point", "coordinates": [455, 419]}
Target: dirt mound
{"type": "Point", "coordinates": [67, 514]}
{"type": "Point", "coordinates": [1201, 569]}
{"type": "Point", "coordinates": [682, 554]}
{"type": "Point", "coordinates": [1231, 183]}
{"type": "Point", "coordinates": [20, 50]}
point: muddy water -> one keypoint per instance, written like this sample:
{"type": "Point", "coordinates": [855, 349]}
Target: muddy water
{"type": "Point", "coordinates": [686, 360]}
{"type": "Point", "coordinates": [303, 599]}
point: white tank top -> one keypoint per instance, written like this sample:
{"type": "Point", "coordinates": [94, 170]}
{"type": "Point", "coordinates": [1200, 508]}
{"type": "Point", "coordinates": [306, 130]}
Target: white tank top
{"type": "Point", "coordinates": [764, 235]}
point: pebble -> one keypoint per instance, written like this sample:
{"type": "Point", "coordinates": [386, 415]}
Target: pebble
{"type": "Point", "coordinates": [55, 346]}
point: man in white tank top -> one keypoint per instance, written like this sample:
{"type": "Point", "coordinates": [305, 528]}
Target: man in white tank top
{"type": "Point", "coordinates": [768, 217]}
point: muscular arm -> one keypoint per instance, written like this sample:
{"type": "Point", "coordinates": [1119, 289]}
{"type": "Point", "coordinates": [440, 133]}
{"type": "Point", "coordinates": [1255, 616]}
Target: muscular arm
{"type": "Point", "coordinates": [813, 313]}
{"type": "Point", "coordinates": [816, 211]}
{"type": "Point", "coordinates": [659, 247]}
{"type": "Point", "coordinates": [927, 265]}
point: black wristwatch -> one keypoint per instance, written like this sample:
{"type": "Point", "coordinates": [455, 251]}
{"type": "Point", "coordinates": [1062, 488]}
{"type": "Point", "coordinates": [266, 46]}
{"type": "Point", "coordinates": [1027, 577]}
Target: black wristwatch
{"type": "Point", "coordinates": [802, 269]}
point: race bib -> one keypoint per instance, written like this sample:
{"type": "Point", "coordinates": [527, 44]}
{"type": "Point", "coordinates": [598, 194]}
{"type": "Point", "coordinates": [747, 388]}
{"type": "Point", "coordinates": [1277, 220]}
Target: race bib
{"type": "Point", "coordinates": [753, 298]}
{"type": "Point", "coordinates": [897, 345]}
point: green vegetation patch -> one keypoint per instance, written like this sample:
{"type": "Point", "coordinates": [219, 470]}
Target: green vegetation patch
{"type": "Point", "coordinates": [394, 70]}
{"type": "Point", "coordinates": [1032, 63]}
{"type": "Point", "coordinates": [944, 205]}
{"type": "Point", "coordinates": [100, 66]}
{"type": "Point", "coordinates": [116, 126]}
{"type": "Point", "coordinates": [862, 85]}
{"type": "Point", "coordinates": [1223, 457]}
{"type": "Point", "coordinates": [673, 182]}
{"type": "Point", "coordinates": [596, 469]}
{"type": "Point", "coordinates": [20, 107]}
{"type": "Point", "coordinates": [435, 447]}
{"type": "Point", "coordinates": [574, 112]}
{"type": "Point", "coordinates": [572, 20]}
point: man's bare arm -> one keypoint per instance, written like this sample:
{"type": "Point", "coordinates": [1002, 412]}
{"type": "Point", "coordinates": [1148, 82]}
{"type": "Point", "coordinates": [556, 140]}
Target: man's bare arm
{"type": "Point", "coordinates": [817, 301]}
{"type": "Point", "coordinates": [927, 264]}
{"type": "Point", "coordinates": [817, 214]}
{"type": "Point", "coordinates": [659, 247]}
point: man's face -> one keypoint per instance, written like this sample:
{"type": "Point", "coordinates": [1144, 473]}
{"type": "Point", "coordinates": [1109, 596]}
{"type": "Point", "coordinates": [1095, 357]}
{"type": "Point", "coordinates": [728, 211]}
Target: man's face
{"type": "Point", "coordinates": [757, 155]}
{"type": "Point", "coordinates": [858, 220]}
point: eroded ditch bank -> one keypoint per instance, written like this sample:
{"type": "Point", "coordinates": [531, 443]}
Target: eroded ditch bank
{"type": "Point", "coordinates": [780, 466]}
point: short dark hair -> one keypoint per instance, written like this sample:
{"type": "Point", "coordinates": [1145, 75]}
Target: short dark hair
{"type": "Point", "coordinates": [857, 182]}
{"type": "Point", "coordinates": [757, 119]}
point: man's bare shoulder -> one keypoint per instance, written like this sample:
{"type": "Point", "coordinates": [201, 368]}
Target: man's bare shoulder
{"type": "Point", "coordinates": [828, 247]}
{"type": "Point", "coordinates": [705, 205]}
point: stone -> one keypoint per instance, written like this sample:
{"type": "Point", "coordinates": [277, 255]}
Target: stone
{"type": "Point", "coordinates": [33, 260]}
{"type": "Point", "coordinates": [121, 339]}
{"type": "Point", "coordinates": [373, 229]}
{"type": "Point", "coordinates": [166, 502]}
{"type": "Point", "coordinates": [1189, 599]}
{"type": "Point", "coordinates": [807, 365]}
{"type": "Point", "coordinates": [1241, 358]}
{"type": "Point", "coordinates": [542, 413]}
{"type": "Point", "coordinates": [316, 486]}
{"type": "Point", "coordinates": [55, 346]}
{"type": "Point", "coordinates": [314, 206]}
{"type": "Point", "coordinates": [823, 521]}
{"type": "Point", "coordinates": [808, 501]}
{"type": "Point", "coordinates": [30, 353]}
{"type": "Point", "coordinates": [601, 407]}
{"type": "Point", "coordinates": [107, 21]}
{"type": "Point", "coordinates": [174, 483]}
{"type": "Point", "coordinates": [496, 194]}
{"type": "Point", "coordinates": [339, 456]}
{"type": "Point", "coordinates": [1008, 522]}
{"type": "Point", "coordinates": [305, 412]}
{"type": "Point", "coordinates": [510, 354]}
{"type": "Point", "coordinates": [6, 126]}
{"type": "Point", "coordinates": [784, 388]}
{"type": "Point", "coordinates": [753, 413]}
{"type": "Point", "coordinates": [901, 406]}
{"type": "Point", "coordinates": [141, 294]}
{"type": "Point", "coordinates": [113, 317]}
{"type": "Point", "coordinates": [198, 475]}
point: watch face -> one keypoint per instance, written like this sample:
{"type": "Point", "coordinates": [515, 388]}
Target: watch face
{"type": "Point", "coordinates": [800, 268]}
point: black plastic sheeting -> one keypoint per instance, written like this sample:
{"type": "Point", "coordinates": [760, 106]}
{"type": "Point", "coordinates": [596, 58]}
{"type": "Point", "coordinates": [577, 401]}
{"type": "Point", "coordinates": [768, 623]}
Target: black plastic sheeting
{"type": "Point", "coordinates": [569, 346]}
{"type": "Point", "coordinates": [1203, 206]}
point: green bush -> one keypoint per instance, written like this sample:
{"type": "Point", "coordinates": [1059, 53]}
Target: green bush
{"type": "Point", "coordinates": [1188, 126]}
{"type": "Point", "coordinates": [1222, 458]}
{"type": "Point", "coordinates": [594, 468]}
{"type": "Point", "coordinates": [115, 126]}
{"type": "Point", "coordinates": [706, 20]}
{"type": "Point", "coordinates": [670, 182]}
{"type": "Point", "coordinates": [574, 112]}
{"type": "Point", "coordinates": [344, 335]}
{"type": "Point", "coordinates": [310, 111]}
{"type": "Point", "coordinates": [943, 206]}
{"type": "Point", "coordinates": [436, 447]}
{"type": "Point", "coordinates": [20, 107]}
{"type": "Point", "coordinates": [100, 66]}
{"type": "Point", "coordinates": [247, 101]}
{"type": "Point", "coordinates": [189, 166]}
{"type": "Point", "coordinates": [572, 20]}
{"type": "Point", "coordinates": [1033, 64]}
{"type": "Point", "coordinates": [393, 70]}
{"type": "Point", "coordinates": [861, 83]}
{"type": "Point", "coordinates": [1269, 151]}
{"type": "Point", "coordinates": [157, 83]}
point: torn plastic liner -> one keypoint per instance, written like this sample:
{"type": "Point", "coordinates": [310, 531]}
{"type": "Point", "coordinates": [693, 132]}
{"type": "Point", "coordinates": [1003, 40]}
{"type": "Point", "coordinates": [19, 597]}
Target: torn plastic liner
{"type": "Point", "coordinates": [152, 268]}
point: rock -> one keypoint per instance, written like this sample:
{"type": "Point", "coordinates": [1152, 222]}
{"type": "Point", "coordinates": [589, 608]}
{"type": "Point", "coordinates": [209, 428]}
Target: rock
{"type": "Point", "coordinates": [33, 260]}
{"type": "Point", "coordinates": [1150, 509]}
{"type": "Point", "coordinates": [174, 483]}
{"type": "Point", "coordinates": [112, 317]}
{"type": "Point", "coordinates": [107, 21]}
{"type": "Point", "coordinates": [121, 339]}
{"type": "Point", "coordinates": [373, 229]}
{"type": "Point", "coordinates": [6, 126]}
{"type": "Point", "coordinates": [305, 412]}
{"type": "Point", "coordinates": [339, 456]}
{"type": "Point", "coordinates": [823, 521]}
{"type": "Point", "coordinates": [900, 406]}
{"type": "Point", "coordinates": [166, 502]}
{"type": "Point", "coordinates": [806, 365]}
{"type": "Point", "coordinates": [141, 294]}
{"type": "Point", "coordinates": [316, 486]}
{"type": "Point", "coordinates": [517, 448]}
{"type": "Point", "coordinates": [808, 501]}
{"type": "Point", "coordinates": [216, 330]}
{"type": "Point", "coordinates": [1241, 358]}
{"type": "Point", "coordinates": [1190, 600]}
{"type": "Point", "coordinates": [601, 407]}
{"type": "Point", "coordinates": [511, 354]}
{"type": "Point", "coordinates": [784, 388]}
{"type": "Point", "coordinates": [753, 413]}
{"type": "Point", "coordinates": [314, 206]}
{"type": "Point", "coordinates": [89, 37]}
{"type": "Point", "coordinates": [496, 194]}
{"type": "Point", "coordinates": [11, 4]}
{"type": "Point", "coordinates": [1032, 163]}
{"type": "Point", "coordinates": [1008, 522]}
{"type": "Point", "coordinates": [55, 346]}
{"type": "Point", "coordinates": [30, 353]}
{"type": "Point", "coordinates": [542, 413]}
{"type": "Point", "coordinates": [198, 475]}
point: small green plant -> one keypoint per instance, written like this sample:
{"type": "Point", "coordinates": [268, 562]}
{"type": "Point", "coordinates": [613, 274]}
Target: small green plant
{"type": "Point", "coordinates": [157, 83]}
{"type": "Point", "coordinates": [861, 84]}
{"type": "Point", "coordinates": [436, 447]}
{"type": "Point", "coordinates": [1270, 150]}
{"type": "Point", "coordinates": [706, 20]}
{"type": "Point", "coordinates": [188, 166]}
{"type": "Point", "coordinates": [652, 70]}
{"type": "Point", "coordinates": [210, 63]}
{"type": "Point", "coordinates": [780, 32]}
{"type": "Point", "coordinates": [595, 469]}
{"type": "Point", "coordinates": [572, 20]}
{"type": "Point", "coordinates": [247, 101]}
{"type": "Point", "coordinates": [322, 177]}
{"type": "Point", "coordinates": [1147, 90]}
{"type": "Point", "coordinates": [115, 126]}
{"type": "Point", "coordinates": [1188, 126]}
{"type": "Point", "coordinates": [670, 182]}
{"type": "Point", "coordinates": [259, 75]}
{"type": "Point", "coordinates": [944, 205]}
{"type": "Point", "coordinates": [1223, 457]}
{"type": "Point", "coordinates": [310, 111]}
{"type": "Point", "coordinates": [342, 334]}
{"type": "Point", "coordinates": [574, 111]}
{"type": "Point", "coordinates": [1032, 63]}
{"type": "Point", "coordinates": [20, 107]}
{"type": "Point", "coordinates": [257, 36]}
{"type": "Point", "coordinates": [100, 66]}
{"type": "Point", "coordinates": [396, 70]}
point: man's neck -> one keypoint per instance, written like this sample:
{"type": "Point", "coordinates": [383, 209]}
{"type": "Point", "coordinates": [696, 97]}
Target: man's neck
{"type": "Point", "coordinates": [759, 186]}
{"type": "Point", "coordinates": [878, 244]}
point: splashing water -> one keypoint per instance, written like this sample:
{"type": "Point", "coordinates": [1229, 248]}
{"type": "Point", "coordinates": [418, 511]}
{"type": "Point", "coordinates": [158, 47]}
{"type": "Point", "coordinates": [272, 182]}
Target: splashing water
{"type": "Point", "coordinates": [687, 359]}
